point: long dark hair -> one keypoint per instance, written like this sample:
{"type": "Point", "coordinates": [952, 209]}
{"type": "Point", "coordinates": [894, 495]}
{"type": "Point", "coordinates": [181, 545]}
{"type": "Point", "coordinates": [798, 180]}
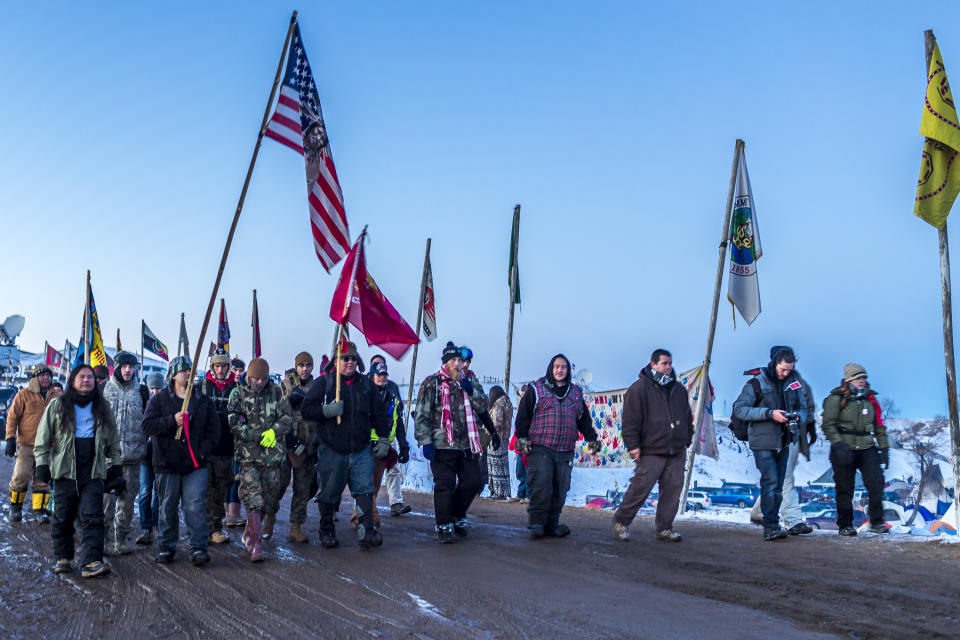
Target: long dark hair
{"type": "Point", "coordinates": [496, 392]}
{"type": "Point", "coordinates": [100, 408]}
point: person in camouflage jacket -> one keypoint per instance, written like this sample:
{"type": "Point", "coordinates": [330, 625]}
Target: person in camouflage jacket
{"type": "Point", "coordinates": [447, 426]}
{"type": "Point", "coordinates": [301, 460]}
{"type": "Point", "coordinates": [259, 416]}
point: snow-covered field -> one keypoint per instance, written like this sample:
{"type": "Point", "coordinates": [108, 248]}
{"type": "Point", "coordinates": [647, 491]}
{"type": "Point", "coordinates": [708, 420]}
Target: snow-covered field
{"type": "Point", "coordinates": [735, 464]}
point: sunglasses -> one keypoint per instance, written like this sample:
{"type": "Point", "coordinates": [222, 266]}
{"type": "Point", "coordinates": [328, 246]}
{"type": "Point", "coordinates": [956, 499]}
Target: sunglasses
{"type": "Point", "coordinates": [349, 358]}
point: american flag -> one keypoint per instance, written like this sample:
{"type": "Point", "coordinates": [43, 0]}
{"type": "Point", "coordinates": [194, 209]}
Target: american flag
{"type": "Point", "coordinates": [298, 123]}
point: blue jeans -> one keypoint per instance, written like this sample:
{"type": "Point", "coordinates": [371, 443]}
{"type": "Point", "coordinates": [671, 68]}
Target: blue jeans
{"type": "Point", "coordinates": [190, 489]}
{"type": "Point", "coordinates": [522, 491]}
{"type": "Point", "coordinates": [336, 470]}
{"type": "Point", "coordinates": [148, 500]}
{"type": "Point", "coordinates": [773, 468]}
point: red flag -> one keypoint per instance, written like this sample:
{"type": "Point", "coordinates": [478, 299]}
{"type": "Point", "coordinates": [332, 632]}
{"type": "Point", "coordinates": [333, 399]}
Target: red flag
{"type": "Point", "coordinates": [367, 309]}
{"type": "Point", "coordinates": [54, 358]}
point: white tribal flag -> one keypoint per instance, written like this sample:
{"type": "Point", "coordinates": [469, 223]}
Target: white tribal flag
{"type": "Point", "coordinates": [743, 290]}
{"type": "Point", "coordinates": [429, 309]}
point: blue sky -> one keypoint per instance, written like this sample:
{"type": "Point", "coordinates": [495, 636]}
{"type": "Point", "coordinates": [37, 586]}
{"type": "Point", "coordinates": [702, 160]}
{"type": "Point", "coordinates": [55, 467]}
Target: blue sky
{"type": "Point", "coordinates": [129, 129]}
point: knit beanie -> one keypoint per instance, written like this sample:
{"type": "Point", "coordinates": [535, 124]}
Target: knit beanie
{"type": "Point", "coordinates": [258, 368]}
{"type": "Point", "coordinates": [220, 356]}
{"type": "Point", "coordinates": [154, 381]}
{"type": "Point", "coordinates": [853, 371]}
{"type": "Point", "coordinates": [450, 351]}
{"type": "Point", "coordinates": [303, 358]}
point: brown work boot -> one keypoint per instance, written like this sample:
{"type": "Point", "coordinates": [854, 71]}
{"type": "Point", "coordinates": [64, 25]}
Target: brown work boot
{"type": "Point", "coordinates": [268, 521]}
{"type": "Point", "coordinates": [219, 537]}
{"type": "Point", "coordinates": [296, 534]}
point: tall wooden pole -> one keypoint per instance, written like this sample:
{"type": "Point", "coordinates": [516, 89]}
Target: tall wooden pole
{"type": "Point", "coordinates": [704, 389]}
{"type": "Point", "coordinates": [254, 327]}
{"type": "Point", "coordinates": [236, 216]}
{"type": "Point", "coordinates": [239, 209]}
{"type": "Point", "coordinates": [947, 307]}
{"type": "Point", "coordinates": [86, 325]}
{"type": "Point", "coordinates": [515, 250]}
{"type": "Point", "coordinates": [416, 347]}
{"type": "Point", "coordinates": [143, 361]}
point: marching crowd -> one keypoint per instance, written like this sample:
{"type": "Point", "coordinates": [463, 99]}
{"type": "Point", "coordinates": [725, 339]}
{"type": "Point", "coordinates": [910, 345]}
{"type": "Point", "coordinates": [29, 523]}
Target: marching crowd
{"type": "Point", "coordinates": [103, 445]}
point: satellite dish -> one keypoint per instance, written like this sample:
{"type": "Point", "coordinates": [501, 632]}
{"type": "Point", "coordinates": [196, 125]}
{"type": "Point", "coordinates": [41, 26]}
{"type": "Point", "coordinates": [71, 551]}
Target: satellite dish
{"type": "Point", "coordinates": [585, 377]}
{"type": "Point", "coordinates": [11, 328]}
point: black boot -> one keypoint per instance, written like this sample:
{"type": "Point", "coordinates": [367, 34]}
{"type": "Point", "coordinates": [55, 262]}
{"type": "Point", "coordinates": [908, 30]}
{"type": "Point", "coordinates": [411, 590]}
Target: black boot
{"type": "Point", "coordinates": [367, 533]}
{"type": "Point", "coordinates": [328, 531]}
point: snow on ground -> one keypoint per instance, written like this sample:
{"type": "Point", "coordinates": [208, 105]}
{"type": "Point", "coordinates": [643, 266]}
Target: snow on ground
{"type": "Point", "coordinates": [735, 464]}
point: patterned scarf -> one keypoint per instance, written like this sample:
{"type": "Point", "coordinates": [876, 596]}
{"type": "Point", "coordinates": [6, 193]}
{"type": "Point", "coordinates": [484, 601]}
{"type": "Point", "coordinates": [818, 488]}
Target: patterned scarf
{"type": "Point", "coordinates": [446, 416]}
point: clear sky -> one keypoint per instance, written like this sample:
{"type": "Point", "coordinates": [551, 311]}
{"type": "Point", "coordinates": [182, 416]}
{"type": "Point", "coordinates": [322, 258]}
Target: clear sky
{"type": "Point", "coordinates": [128, 130]}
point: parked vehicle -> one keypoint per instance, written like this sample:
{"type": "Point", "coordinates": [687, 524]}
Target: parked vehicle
{"type": "Point", "coordinates": [652, 499]}
{"type": "Point", "coordinates": [811, 508]}
{"type": "Point", "coordinates": [740, 496]}
{"type": "Point", "coordinates": [828, 519]}
{"type": "Point", "coordinates": [697, 500]}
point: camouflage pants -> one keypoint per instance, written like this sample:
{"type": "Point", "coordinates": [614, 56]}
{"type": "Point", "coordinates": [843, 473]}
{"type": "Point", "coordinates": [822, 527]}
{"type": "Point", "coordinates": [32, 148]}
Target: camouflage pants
{"type": "Point", "coordinates": [304, 486]}
{"type": "Point", "coordinates": [258, 487]}
{"type": "Point", "coordinates": [219, 479]}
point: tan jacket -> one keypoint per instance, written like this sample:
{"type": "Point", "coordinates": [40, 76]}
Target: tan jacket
{"type": "Point", "coordinates": [25, 412]}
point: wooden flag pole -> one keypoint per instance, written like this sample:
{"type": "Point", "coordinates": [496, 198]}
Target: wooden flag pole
{"type": "Point", "coordinates": [346, 307]}
{"type": "Point", "coordinates": [253, 327]}
{"type": "Point", "coordinates": [704, 389]}
{"type": "Point", "coordinates": [143, 361]}
{"type": "Point", "coordinates": [236, 216]}
{"type": "Point", "coordinates": [515, 249]}
{"type": "Point", "coordinates": [86, 325]}
{"type": "Point", "coordinates": [416, 347]}
{"type": "Point", "coordinates": [947, 306]}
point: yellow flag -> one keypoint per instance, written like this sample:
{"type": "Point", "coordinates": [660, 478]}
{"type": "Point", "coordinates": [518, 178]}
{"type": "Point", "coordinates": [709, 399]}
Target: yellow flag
{"type": "Point", "coordinates": [939, 181]}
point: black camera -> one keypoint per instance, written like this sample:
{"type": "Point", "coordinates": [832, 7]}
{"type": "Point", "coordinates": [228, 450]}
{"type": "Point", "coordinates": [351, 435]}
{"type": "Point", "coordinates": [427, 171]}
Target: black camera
{"type": "Point", "coordinates": [793, 425]}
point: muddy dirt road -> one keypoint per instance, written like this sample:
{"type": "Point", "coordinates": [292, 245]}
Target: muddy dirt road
{"type": "Point", "coordinates": [721, 582]}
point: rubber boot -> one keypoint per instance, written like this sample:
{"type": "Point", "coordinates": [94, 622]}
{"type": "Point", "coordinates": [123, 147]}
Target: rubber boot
{"type": "Point", "coordinates": [296, 533]}
{"type": "Point", "coordinates": [16, 505]}
{"type": "Point", "coordinates": [328, 531]}
{"type": "Point", "coordinates": [367, 533]}
{"type": "Point", "coordinates": [234, 516]}
{"type": "Point", "coordinates": [245, 538]}
{"type": "Point", "coordinates": [255, 542]}
{"type": "Point", "coordinates": [268, 521]}
{"type": "Point", "coordinates": [43, 516]}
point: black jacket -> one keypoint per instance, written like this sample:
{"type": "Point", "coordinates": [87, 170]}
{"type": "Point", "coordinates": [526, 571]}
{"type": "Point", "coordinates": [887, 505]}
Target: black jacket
{"type": "Point", "coordinates": [169, 454]}
{"type": "Point", "coordinates": [656, 419]}
{"type": "Point", "coordinates": [218, 400]}
{"type": "Point", "coordinates": [363, 411]}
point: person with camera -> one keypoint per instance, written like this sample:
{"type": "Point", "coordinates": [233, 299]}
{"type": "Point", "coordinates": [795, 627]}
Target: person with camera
{"type": "Point", "coordinates": [853, 423]}
{"type": "Point", "coordinates": [217, 385]}
{"type": "Point", "coordinates": [301, 460]}
{"type": "Point", "coordinates": [657, 429]}
{"type": "Point", "coordinates": [773, 404]}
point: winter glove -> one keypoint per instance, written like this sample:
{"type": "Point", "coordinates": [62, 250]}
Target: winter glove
{"type": "Point", "coordinates": [811, 433]}
{"type": "Point", "coordinates": [594, 446]}
{"type": "Point", "coordinates": [11, 449]}
{"type": "Point", "coordinates": [404, 455]}
{"type": "Point", "coordinates": [269, 439]}
{"type": "Point", "coordinates": [522, 445]}
{"type": "Point", "coordinates": [43, 473]}
{"type": "Point", "coordinates": [467, 386]}
{"type": "Point", "coordinates": [381, 449]}
{"type": "Point", "coordinates": [840, 453]}
{"type": "Point", "coordinates": [115, 483]}
{"type": "Point", "coordinates": [885, 458]}
{"type": "Point", "coordinates": [495, 441]}
{"type": "Point", "coordinates": [429, 452]}
{"type": "Point", "coordinates": [296, 399]}
{"type": "Point", "coordinates": [333, 409]}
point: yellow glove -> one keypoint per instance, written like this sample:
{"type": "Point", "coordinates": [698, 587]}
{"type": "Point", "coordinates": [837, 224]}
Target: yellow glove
{"type": "Point", "coordinates": [269, 439]}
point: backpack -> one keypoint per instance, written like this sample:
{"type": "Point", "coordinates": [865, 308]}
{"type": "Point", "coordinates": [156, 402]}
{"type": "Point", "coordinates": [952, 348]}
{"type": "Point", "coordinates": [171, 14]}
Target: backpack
{"type": "Point", "coordinates": [740, 427]}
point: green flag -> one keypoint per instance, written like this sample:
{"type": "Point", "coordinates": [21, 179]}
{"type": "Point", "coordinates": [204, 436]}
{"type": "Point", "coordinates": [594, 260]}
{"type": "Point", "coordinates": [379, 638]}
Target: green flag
{"type": "Point", "coordinates": [514, 232]}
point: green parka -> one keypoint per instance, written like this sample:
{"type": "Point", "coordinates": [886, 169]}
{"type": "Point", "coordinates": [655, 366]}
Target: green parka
{"type": "Point", "coordinates": [54, 445]}
{"type": "Point", "coordinates": [855, 424]}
